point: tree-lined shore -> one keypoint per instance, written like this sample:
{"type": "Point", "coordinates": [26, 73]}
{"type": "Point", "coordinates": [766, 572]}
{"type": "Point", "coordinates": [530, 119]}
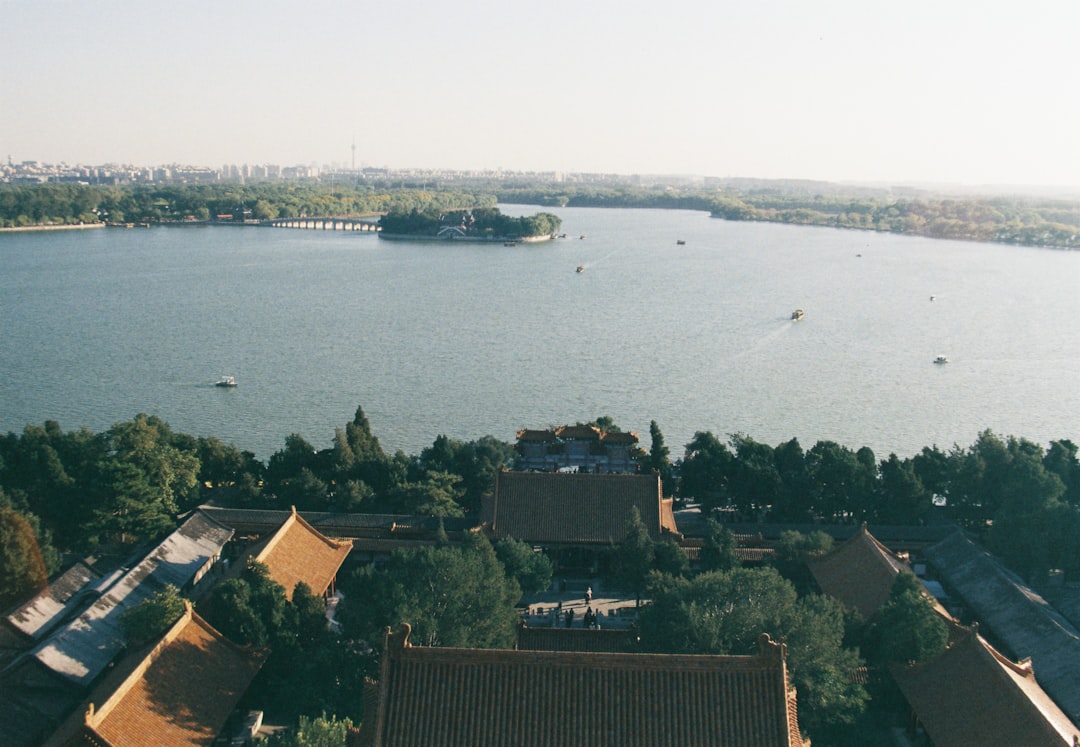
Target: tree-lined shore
{"type": "Point", "coordinates": [1014, 220]}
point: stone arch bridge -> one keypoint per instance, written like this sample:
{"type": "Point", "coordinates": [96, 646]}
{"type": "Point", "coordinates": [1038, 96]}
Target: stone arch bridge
{"type": "Point", "coordinates": [326, 224]}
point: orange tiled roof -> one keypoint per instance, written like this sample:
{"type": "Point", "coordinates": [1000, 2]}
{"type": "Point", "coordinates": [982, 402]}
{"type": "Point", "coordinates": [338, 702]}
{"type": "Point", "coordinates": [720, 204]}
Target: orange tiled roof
{"type": "Point", "coordinates": [860, 572]}
{"type": "Point", "coordinates": [971, 694]}
{"type": "Point", "coordinates": [580, 432]}
{"type": "Point", "coordinates": [619, 437]}
{"type": "Point", "coordinates": [181, 693]}
{"type": "Point", "coordinates": [445, 696]}
{"type": "Point", "coordinates": [575, 508]}
{"type": "Point", "coordinates": [298, 552]}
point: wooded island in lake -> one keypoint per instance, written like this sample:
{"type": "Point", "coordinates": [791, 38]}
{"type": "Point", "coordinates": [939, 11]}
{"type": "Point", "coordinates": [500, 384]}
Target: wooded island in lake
{"type": "Point", "coordinates": [479, 224]}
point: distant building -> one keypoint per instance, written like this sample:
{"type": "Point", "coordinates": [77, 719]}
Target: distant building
{"type": "Point", "coordinates": [584, 448]}
{"type": "Point", "coordinates": [478, 697]}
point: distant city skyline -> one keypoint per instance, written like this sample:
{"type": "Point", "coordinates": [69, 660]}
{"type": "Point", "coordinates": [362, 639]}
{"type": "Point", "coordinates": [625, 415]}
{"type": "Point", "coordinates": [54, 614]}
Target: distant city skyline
{"type": "Point", "coordinates": [843, 91]}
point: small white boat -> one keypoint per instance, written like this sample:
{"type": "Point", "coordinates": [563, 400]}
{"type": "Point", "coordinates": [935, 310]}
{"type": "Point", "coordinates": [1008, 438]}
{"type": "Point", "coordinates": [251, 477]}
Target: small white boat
{"type": "Point", "coordinates": [941, 359]}
{"type": "Point", "coordinates": [797, 315]}
{"type": "Point", "coordinates": [581, 268]}
{"type": "Point", "coordinates": [226, 381]}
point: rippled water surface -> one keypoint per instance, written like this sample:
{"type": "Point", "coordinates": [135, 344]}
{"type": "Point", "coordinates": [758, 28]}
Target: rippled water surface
{"type": "Point", "coordinates": [469, 339]}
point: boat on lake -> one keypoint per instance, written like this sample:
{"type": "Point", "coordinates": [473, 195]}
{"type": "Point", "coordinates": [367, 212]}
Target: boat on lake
{"type": "Point", "coordinates": [226, 381]}
{"type": "Point", "coordinates": [581, 268]}
{"type": "Point", "coordinates": [680, 242]}
{"type": "Point", "coordinates": [941, 359]}
{"type": "Point", "coordinates": [797, 315]}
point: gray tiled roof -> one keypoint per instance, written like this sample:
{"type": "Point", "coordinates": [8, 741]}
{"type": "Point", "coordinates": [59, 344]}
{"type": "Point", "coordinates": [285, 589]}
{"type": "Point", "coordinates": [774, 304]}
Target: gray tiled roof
{"type": "Point", "coordinates": [83, 648]}
{"type": "Point", "coordinates": [1016, 615]}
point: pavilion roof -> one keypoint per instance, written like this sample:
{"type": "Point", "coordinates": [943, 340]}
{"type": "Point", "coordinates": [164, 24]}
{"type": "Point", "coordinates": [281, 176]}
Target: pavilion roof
{"type": "Point", "coordinates": [619, 437]}
{"type": "Point", "coordinates": [576, 508]}
{"type": "Point", "coordinates": [972, 694]}
{"type": "Point", "coordinates": [447, 696]}
{"type": "Point", "coordinates": [578, 432]}
{"type": "Point", "coordinates": [859, 572]}
{"type": "Point", "coordinates": [298, 552]}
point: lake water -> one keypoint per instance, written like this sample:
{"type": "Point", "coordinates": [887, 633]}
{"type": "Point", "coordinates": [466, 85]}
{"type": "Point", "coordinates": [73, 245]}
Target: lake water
{"type": "Point", "coordinates": [468, 340]}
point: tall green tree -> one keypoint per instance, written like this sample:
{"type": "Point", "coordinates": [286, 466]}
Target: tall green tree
{"type": "Point", "coordinates": [633, 558]}
{"type": "Point", "coordinates": [658, 459]}
{"type": "Point", "coordinates": [908, 629]}
{"type": "Point", "coordinates": [249, 610]}
{"type": "Point", "coordinates": [754, 481]}
{"type": "Point", "coordinates": [705, 470]}
{"type": "Point", "coordinates": [724, 612]}
{"type": "Point", "coordinates": [143, 481]}
{"type": "Point", "coordinates": [837, 479]}
{"type": "Point", "coordinates": [1061, 460]}
{"type": "Point", "coordinates": [718, 550]}
{"type": "Point", "coordinates": [900, 497]}
{"type": "Point", "coordinates": [531, 569]}
{"type": "Point", "coordinates": [794, 502]}
{"type": "Point", "coordinates": [450, 595]}
{"type": "Point", "coordinates": [794, 550]}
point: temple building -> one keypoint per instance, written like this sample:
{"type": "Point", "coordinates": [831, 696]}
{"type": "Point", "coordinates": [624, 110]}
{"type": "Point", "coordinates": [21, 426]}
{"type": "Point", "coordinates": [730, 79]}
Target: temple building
{"type": "Point", "coordinates": [584, 448]}
{"type": "Point", "coordinates": [859, 572]}
{"type": "Point", "coordinates": [575, 516]}
{"type": "Point", "coordinates": [297, 552]}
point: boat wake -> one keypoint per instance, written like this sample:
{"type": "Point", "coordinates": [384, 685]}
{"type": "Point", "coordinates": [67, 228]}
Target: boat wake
{"type": "Point", "coordinates": [765, 340]}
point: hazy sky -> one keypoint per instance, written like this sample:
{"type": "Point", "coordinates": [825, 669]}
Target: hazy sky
{"type": "Point", "coordinates": [973, 92]}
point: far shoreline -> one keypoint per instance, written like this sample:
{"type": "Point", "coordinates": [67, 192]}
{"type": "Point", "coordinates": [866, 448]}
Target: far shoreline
{"type": "Point", "coordinates": [72, 227]}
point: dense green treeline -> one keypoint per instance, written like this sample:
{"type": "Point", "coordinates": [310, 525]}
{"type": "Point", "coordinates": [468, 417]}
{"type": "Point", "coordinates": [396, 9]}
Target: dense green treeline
{"type": "Point", "coordinates": [1021, 221]}
{"type": "Point", "coordinates": [1020, 499]}
{"type": "Point", "coordinates": [68, 204]}
{"type": "Point", "coordinates": [81, 491]}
